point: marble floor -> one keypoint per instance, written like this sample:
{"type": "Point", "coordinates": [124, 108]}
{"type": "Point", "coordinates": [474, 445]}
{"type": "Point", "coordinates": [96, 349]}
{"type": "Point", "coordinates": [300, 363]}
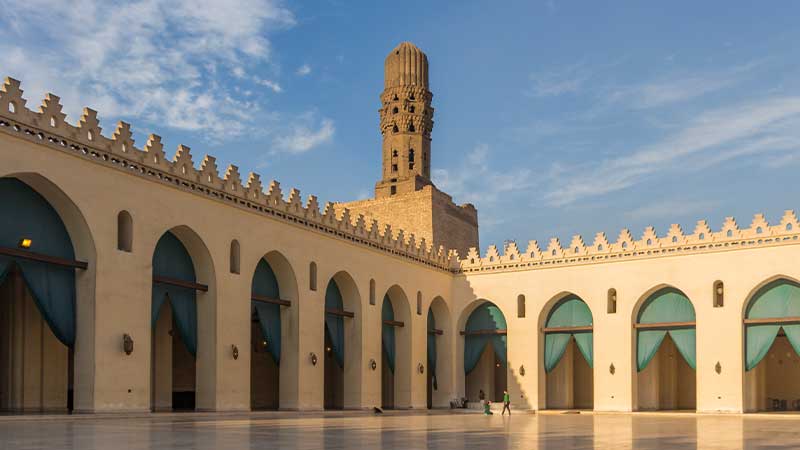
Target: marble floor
{"type": "Point", "coordinates": [400, 431]}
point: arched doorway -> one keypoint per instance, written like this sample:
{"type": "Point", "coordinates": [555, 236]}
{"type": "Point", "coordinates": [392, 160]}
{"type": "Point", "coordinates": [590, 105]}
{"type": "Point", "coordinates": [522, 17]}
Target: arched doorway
{"type": "Point", "coordinates": [175, 324]}
{"type": "Point", "coordinates": [395, 350]}
{"type": "Point", "coordinates": [772, 344]}
{"type": "Point", "coordinates": [568, 355]}
{"type": "Point", "coordinates": [665, 352]}
{"type": "Point", "coordinates": [342, 355]}
{"type": "Point", "coordinates": [37, 302]}
{"type": "Point", "coordinates": [439, 371]}
{"type": "Point", "coordinates": [485, 347]}
{"type": "Point", "coordinates": [265, 338]}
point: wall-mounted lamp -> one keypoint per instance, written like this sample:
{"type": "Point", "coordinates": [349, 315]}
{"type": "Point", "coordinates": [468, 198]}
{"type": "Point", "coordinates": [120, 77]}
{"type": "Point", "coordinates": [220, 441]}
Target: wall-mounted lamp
{"type": "Point", "coordinates": [718, 368]}
{"type": "Point", "coordinates": [522, 371]}
{"type": "Point", "coordinates": [127, 344]}
{"type": "Point", "coordinates": [421, 368]}
{"type": "Point", "coordinates": [497, 365]}
{"type": "Point", "coordinates": [25, 243]}
{"type": "Point", "coordinates": [611, 369]}
{"type": "Point", "coordinates": [313, 358]}
{"type": "Point", "coordinates": [372, 364]}
{"type": "Point", "coordinates": [235, 351]}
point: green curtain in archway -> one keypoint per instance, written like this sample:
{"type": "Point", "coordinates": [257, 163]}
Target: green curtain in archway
{"type": "Point", "coordinates": [171, 260]}
{"type": "Point", "coordinates": [26, 214]}
{"type": "Point", "coordinates": [778, 299]}
{"type": "Point", "coordinates": [432, 348]}
{"type": "Point", "coordinates": [335, 324]}
{"type": "Point", "coordinates": [666, 305]}
{"type": "Point", "coordinates": [269, 315]}
{"type": "Point", "coordinates": [568, 312]}
{"type": "Point", "coordinates": [387, 335]}
{"type": "Point", "coordinates": [487, 316]}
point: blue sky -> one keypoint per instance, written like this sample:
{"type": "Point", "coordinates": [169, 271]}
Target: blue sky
{"type": "Point", "coordinates": [554, 118]}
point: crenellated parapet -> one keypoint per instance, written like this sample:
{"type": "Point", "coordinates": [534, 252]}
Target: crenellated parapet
{"type": "Point", "coordinates": [48, 127]}
{"type": "Point", "coordinates": [674, 243]}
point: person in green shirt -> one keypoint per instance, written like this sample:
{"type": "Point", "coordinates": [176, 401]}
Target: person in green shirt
{"type": "Point", "coordinates": [506, 403]}
{"type": "Point", "coordinates": [487, 408]}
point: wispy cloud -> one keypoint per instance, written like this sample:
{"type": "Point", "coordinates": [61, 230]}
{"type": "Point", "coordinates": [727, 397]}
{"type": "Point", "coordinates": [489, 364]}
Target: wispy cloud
{"type": "Point", "coordinates": [303, 70]}
{"type": "Point", "coordinates": [161, 61]}
{"type": "Point", "coordinates": [567, 80]}
{"type": "Point", "coordinates": [304, 136]}
{"type": "Point", "coordinates": [714, 136]}
{"type": "Point", "coordinates": [477, 182]}
{"type": "Point", "coordinates": [676, 87]}
{"type": "Point", "coordinates": [667, 209]}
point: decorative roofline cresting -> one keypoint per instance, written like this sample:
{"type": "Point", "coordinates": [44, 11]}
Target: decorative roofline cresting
{"type": "Point", "coordinates": [48, 127]}
{"type": "Point", "coordinates": [674, 243]}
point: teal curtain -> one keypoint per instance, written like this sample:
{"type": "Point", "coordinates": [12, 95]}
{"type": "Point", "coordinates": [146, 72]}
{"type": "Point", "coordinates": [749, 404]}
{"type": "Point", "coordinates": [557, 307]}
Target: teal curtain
{"type": "Point", "coordinates": [432, 348]}
{"type": "Point", "coordinates": [387, 336]}
{"type": "Point", "coordinates": [647, 344]}
{"type": "Point", "coordinates": [568, 312]}
{"type": "Point", "coordinates": [780, 298]}
{"type": "Point", "coordinates": [666, 305]}
{"type": "Point", "coordinates": [26, 214]}
{"type": "Point", "coordinates": [487, 316]}
{"type": "Point", "coordinates": [585, 341]}
{"type": "Point", "coordinates": [172, 260]}
{"type": "Point", "coordinates": [269, 315]}
{"type": "Point", "coordinates": [555, 344]}
{"type": "Point", "coordinates": [335, 324]}
{"type": "Point", "coordinates": [649, 341]}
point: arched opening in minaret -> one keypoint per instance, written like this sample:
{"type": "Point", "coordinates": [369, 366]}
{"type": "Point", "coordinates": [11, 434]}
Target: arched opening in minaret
{"type": "Point", "coordinates": [395, 129]}
{"type": "Point", "coordinates": [395, 110]}
{"type": "Point", "coordinates": [411, 127]}
{"type": "Point", "coordinates": [411, 109]}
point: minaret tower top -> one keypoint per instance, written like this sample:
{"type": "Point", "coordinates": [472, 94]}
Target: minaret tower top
{"type": "Point", "coordinates": [406, 122]}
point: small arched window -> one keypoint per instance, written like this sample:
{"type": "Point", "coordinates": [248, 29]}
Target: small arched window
{"type": "Point", "coordinates": [312, 276]}
{"type": "Point", "coordinates": [624, 245]}
{"type": "Point", "coordinates": [124, 231]}
{"type": "Point", "coordinates": [521, 306]}
{"type": "Point", "coordinates": [395, 110]}
{"type": "Point", "coordinates": [411, 127]}
{"type": "Point", "coordinates": [235, 256]}
{"type": "Point", "coordinates": [729, 233]}
{"type": "Point", "coordinates": [788, 227]}
{"type": "Point", "coordinates": [411, 155]}
{"type": "Point", "coordinates": [759, 230]}
{"type": "Point", "coordinates": [674, 239]}
{"type": "Point", "coordinates": [53, 122]}
{"type": "Point", "coordinates": [611, 306]}
{"type": "Point", "coordinates": [395, 129]}
{"type": "Point", "coordinates": [12, 107]}
{"type": "Point", "coordinates": [411, 109]}
{"type": "Point", "coordinates": [419, 303]}
{"type": "Point", "coordinates": [372, 292]}
{"type": "Point", "coordinates": [719, 294]}
{"type": "Point", "coordinates": [702, 236]}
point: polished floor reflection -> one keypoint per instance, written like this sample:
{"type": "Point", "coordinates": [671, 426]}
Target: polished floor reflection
{"type": "Point", "coordinates": [402, 430]}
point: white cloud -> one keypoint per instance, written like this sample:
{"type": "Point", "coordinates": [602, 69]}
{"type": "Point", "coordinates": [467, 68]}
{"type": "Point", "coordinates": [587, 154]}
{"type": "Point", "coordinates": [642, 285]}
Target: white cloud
{"type": "Point", "coordinates": [676, 88]}
{"type": "Point", "coordinates": [476, 182]}
{"type": "Point", "coordinates": [710, 138]}
{"type": "Point", "coordinates": [303, 70]}
{"type": "Point", "coordinates": [568, 80]}
{"type": "Point", "coordinates": [667, 209]}
{"type": "Point", "coordinates": [165, 62]}
{"type": "Point", "coordinates": [275, 87]}
{"type": "Point", "coordinates": [303, 137]}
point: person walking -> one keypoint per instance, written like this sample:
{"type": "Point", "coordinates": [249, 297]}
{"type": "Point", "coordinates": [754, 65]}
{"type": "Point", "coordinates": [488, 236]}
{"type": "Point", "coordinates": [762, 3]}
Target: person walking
{"type": "Point", "coordinates": [506, 403]}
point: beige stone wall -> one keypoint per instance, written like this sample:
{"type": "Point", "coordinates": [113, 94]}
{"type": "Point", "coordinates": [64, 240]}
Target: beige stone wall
{"type": "Point", "coordinates": [427, 213]}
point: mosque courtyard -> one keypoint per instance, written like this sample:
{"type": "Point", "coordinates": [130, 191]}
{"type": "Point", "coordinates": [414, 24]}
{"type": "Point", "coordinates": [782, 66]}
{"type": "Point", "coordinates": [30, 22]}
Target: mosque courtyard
{"type": "Point", "coordinates": [400, 430]}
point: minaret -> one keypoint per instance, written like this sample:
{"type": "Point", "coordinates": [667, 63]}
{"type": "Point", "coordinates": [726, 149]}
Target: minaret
{"type": "Point", "coordinates": [406, 122]}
